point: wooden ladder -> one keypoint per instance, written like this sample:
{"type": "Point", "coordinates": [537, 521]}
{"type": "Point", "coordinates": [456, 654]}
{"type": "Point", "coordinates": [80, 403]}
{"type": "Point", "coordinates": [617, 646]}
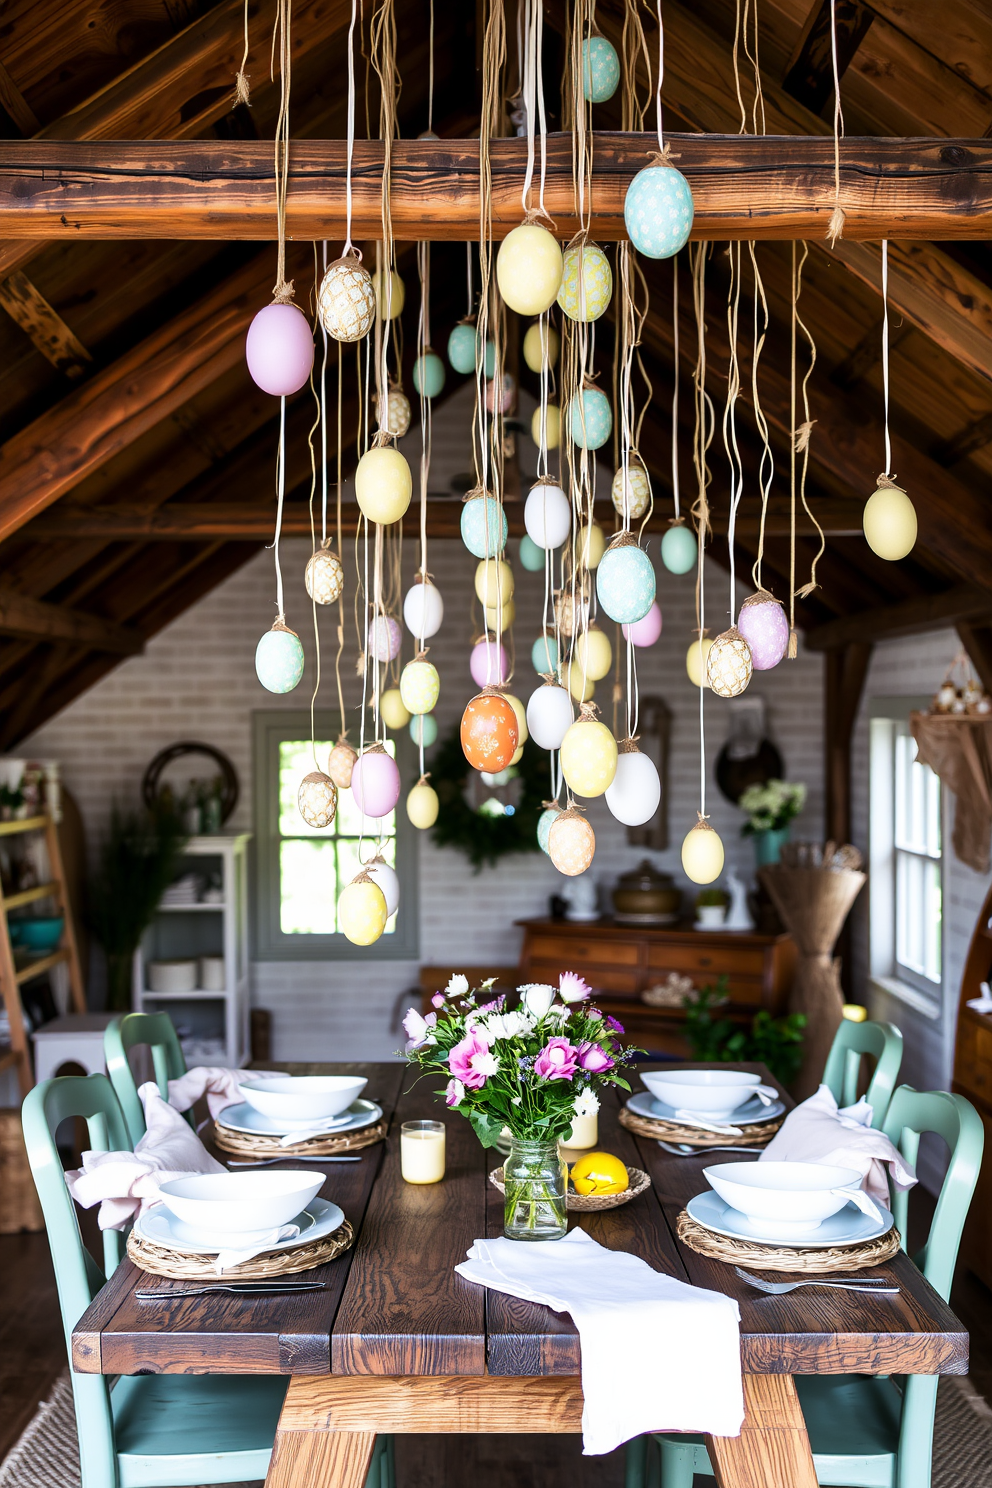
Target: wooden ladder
{"type": "Point", "coordinates": [18, 1053]}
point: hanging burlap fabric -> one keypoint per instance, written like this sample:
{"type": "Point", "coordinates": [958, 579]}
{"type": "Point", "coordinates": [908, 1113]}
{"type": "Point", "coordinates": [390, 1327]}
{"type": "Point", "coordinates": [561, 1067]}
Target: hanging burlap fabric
{"type": "Point", "coordinates": [959, 750]}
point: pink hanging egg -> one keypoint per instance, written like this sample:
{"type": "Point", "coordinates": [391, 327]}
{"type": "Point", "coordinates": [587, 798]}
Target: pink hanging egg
{"type": "Point", "coordinates": [764, 625]}
{"type": "Point", "coordinates": [488, 662]}
{"type": "Point", "coordinates": [644, 632]}
{"type": "Point", "coordinates": [385, 638]}
{"type": "Point", "coordinates": [507, 397]}
{"type": "Point", "coordinates": [279, 349]}
{"type": "Point", "coordinates": [375, 783]}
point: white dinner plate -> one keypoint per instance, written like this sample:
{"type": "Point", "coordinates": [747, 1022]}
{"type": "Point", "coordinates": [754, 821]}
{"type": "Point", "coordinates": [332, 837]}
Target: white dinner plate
{"type": "Point", "coordinates": [750, 1113]}
{"type": "Point", "coordinates": [848, 1227]}
{"type": "Point", "coordinates": [319, 1218]}
{"type": "Point", "coordinates": [244, 1118]}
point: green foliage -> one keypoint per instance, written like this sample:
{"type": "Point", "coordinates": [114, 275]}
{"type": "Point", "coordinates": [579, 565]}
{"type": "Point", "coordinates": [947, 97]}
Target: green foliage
{"type": "Point", "coordinates": [712, 896]}
{"type": "Point", "coordinates": [774, 1042]}
{"type": "Point", "coordinates": [484, 838]}
{"type": "Point", "coordinates": [771, 806]}
{"type": "Point", "coordinates": [137, 860]}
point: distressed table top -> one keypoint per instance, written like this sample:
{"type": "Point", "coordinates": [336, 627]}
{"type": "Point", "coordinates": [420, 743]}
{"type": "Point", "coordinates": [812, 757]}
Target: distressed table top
{"type": "Point", "coordinates": [394, 1306]}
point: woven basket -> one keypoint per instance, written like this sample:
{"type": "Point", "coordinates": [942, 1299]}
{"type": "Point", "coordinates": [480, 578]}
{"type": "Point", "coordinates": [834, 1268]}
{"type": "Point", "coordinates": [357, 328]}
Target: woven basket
{"type": "Point", "coordinates": [19, 1206]}
{"type": "Point", "coordinates": [180, 1265]}
{"type": "Point", "coordinates": [258, 1146]}
{"type": "Point", "coordinates": [670, 1131]}
{"type": "Point", "coordinates": [639, 1181]}
{"type": "Point", "coordinates": [820, 1261]}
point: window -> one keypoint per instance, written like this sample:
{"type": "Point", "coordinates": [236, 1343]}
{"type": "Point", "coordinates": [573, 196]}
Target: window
{"type": "Point", "coordinates": [906, 884]}
{"type": "Point", "coordinates": [301, 870]}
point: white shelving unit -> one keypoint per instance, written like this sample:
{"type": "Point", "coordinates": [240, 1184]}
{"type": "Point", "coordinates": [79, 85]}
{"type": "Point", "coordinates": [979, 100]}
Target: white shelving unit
{"type": "Point", "coordinates": [190, 931]}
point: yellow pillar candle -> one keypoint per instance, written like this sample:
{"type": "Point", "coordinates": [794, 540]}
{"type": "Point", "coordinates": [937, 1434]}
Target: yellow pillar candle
{"type": "Point", "coordinates": [422, 1151]}
{"type": "Point", "coordinates": [584, 1133]}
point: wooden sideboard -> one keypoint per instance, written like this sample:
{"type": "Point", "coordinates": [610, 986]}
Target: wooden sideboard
{"type": "Point", "coordinates": [621, 961]}
{"type": "Point", "coordinates": [973, 1078]}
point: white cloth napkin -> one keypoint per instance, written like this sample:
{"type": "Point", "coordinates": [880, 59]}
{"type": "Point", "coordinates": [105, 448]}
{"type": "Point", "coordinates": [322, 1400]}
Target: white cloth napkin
{"type": "Point", "coordinates": [219, 1085]}
{"type": "Point", "coordinates": [766, 1094]}
{"type": "Point", "coordinates": [226, 1259]}
{"type": "Point", "coordinates": [657, 1354]}
{"type": "Point", "coordinates": [819, 1131]}
{"type": "Point", "coordinates": [125, 1184]}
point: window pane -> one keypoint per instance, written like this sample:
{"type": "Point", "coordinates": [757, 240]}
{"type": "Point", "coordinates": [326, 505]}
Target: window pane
{"type": "Point", "coordinates": [918, 915]}
{"type": "Point", "coordinates": [917, 803]}
{"type": "Point", "coordinates": [295, 761]}
{"type": "Point", "coordinates": [308, 887]}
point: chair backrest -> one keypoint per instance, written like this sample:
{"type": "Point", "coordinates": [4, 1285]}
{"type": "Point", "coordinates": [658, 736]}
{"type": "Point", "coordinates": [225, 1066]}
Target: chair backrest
{"type": "Point", "coordinates": [841, 1074]}
{"type": "Point", "coordinates": [911, 1113]}
{"type": "Point", "coordinates": [157, 1031]}
{"type": "Point", "coordinates": [77, 1275]}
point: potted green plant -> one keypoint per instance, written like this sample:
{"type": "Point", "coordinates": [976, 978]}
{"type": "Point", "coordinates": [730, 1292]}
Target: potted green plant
{"type": "Point", "coordinates": [711, 908]}
{"type": "Point", "coordinates": [770, 810]}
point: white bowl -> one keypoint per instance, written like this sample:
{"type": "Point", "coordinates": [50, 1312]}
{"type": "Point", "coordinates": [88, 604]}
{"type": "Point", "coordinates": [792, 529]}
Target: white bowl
{"type": "Point", "coordinates": [302, 1097]}
{"type": "Point", "coordinates": [172, 976]}
{"type": "Point", "coordinates": [794, 1196]}
{"type": "Point", "coordinates": [244, 1206]}
{"type": "Point", "coordinates": [707, 1092]}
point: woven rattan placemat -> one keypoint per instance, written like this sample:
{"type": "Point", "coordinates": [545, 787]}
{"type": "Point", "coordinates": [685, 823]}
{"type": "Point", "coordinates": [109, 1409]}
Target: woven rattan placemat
{"type": "Point", "coordinates": [189, 1266]}
{"type": "Point", "coordinates": [670, 1131]}
{"type": "Point", "coordinates": [819, 1261]}
{"type": "Point", "coordinates": [251, 1145]}
{"type": "Point", "coordinates": [638, 1182]}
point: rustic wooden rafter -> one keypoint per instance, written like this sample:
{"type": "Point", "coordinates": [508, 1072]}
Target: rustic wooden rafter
{"type": "Point", "coordinates": [912, 617]}
{"type": "Point", "coordinates": [20, 615]}
{"type": "Point", "coordinates": [27, 306]}
{"type": "Point", "coordinates": [977, 641]}
{"type": "Point", "coordinates": [809, 76]}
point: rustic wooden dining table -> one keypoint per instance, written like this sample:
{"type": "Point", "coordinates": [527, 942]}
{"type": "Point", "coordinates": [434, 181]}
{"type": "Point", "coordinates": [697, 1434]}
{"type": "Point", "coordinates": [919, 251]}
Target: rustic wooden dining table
{"type": "Point", "coordinates": [397, 1342]}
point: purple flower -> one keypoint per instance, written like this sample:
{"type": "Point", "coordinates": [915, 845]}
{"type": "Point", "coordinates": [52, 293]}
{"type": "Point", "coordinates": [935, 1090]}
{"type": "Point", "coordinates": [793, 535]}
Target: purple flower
{"type": "Point", "coordinates": [557, 1060]}
{"type": "Point", "coordinates": [611, 1022]}
{"type": "Point", "coordinates": [594, 1058]}
{"type": "Point", "coordinates": [491, 1007]}
{"type": "Point", "coordinates": [455, 1093]}
{"type": "Point", "coordinates": [471, 1062]}
{"type": "Point", "coordinates": [437, 1000]}
{"type": "Point", "coordinates": [573, 988]}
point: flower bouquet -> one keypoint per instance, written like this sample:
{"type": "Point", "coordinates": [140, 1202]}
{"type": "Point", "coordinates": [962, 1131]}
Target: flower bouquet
{"type": "Point", "coordinates": [772, 806]}
{"type": "Point", "coordinates": [531, 1069]}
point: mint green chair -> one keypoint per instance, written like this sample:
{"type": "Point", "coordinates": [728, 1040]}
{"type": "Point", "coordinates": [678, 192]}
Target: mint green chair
{"type": "Point", "coordinates": [842, 1072]}
{"type": "Point", "coordinates": [868, 1432]}
{"type": "Point", "coordinates": [157, 1031]}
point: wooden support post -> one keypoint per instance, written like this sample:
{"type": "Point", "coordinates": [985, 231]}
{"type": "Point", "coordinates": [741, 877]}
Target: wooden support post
{"type": "Point", "coordinates": [773, 1448]}
{"type": "Point", "coordinates": [977, 641]}
{"type": "Point", "coordinates": [846, 669]}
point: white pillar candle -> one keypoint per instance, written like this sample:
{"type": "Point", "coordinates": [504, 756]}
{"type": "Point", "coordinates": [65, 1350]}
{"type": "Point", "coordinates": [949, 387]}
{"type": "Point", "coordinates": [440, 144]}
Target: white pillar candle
{"type": "Point", "coordinates": [422, 1151]}
{"type": "Point", "coordinates": [584, 1133]}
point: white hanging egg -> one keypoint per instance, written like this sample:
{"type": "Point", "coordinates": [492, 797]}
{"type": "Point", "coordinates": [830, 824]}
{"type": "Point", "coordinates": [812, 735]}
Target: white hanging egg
{"type": "Point", "coordinates": [529, 269]}
{"type": "Point", "coordinates": [534, 352]}
{"type": "Point", "coordinates": [702, 854]}
{"type": "Point", "coordinates": [346, 300]}
{"type": "Point", "coordinates": [547, 514]}
{"type": "Point", "coordinates": [388, 880]}
{"type": "Point", "coordinates": [634, 796]}
{"type": "Point", "coordinates": [384, 638]}
{"type": "Point", "coordinates": [587, 283]}
{"type": "Point", "coordinates": [383, 484]}
{"type": "Point", "coordinates": [594, 653]}
{"type": "Point", "coordinates": [588, 756]}
{"type": "Point", "coordinates": [340, 763]}
{"type": "Point", "coordinates": [395, 714]}
{"type": "Point", "coordinates": [728, 664]}
{"type": "Point", "coordinates": [317, 799]}
{"type": "Point", "coordinates": [549, 715]}
{"type": "Point", "coordinates": [571, 843]}
{"type": "Point", "coordinates": [890, 523]}
{"type": "Point", "coordinates": [552, 426]}
{"type": "Point", "coordinates": [390, 295]}
{"type": "Point", "coordinates": [422, 805]}
{"type": "Point", "coordinates": [423, 609]}
{"type": "Point", "coordinates": [324, 577]}
{"type": "Point", "coordinates": [493, 582]}
{"type": "Point", "coordinates": [279, 659]}
{"type": "Point", "coordinates": [362, 913]}
{"type": "Point", "coordinates": [638, 490]}
{"type": "Point", "coordinates": [420, 686]}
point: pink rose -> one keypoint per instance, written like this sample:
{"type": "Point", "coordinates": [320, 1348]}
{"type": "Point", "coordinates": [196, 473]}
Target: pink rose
{"type": "Point", "coordinates": [471, 1062]}
{"type": "Point", "coordinates": [594, 1058]}
{"type": "Point", "coordinates": [556, 1061]}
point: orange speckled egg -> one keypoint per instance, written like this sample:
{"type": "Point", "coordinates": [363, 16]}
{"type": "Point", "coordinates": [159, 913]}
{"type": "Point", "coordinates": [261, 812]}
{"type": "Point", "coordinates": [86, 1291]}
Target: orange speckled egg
{"type": "Point", "coordinates": [489, 732]}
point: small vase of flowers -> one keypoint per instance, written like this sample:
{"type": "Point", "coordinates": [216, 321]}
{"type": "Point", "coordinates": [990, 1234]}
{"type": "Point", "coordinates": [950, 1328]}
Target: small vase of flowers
{"type": "Point", "coordinates": [770, 809]}
{"type": "Point", "coordinates": [531, 1069]}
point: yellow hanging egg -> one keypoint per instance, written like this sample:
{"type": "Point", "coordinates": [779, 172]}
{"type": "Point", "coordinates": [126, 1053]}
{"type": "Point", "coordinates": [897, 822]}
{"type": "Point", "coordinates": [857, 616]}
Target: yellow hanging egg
{"type": "Point", "coordinates": [518, 755]}
{"type": "Point", "coordinates": [504, 619]}
{"type": "Point", "coordinates": [729, 664]}
{"type": "Point", "coordinates": [890, 523]}
{"type": "Point", "coordinates": [702, 854]}
{"type": "Point", "coordinates": [590, 545]}
{"type": "Point", "coordinates": [362, 912]}
{"type": "Point", "coordinates": [395, 714]}
{"type": "Point", "coordinates": [395, 293]}
{"type": "Point", "coordinates": [422, 805]}
{"type": "Point", "coordinates": [493, 582]}
{"type": "Point", "coordinates": [571, 843]}
{"type": "Point", "coordinates": [580, 684]}
{"type": "Point", "coordinates": [695, 661]}
{"type": "Point", "coordinates": [552, 427]}
{"type": "Point", "coordinates": [586, 284]}
{"type": "Point", "coordinates": [588, 757]}
{"type": "Point", "coordinates": [638, 490]}
{"type": "Point", "coordinates": [419, 686]}
{"type": "Point", "coordinates": [521, 713]}
{"type": "Point", "coordinates": [594, 653]}
{"type": "Point", "coordinates": [528, 269]}
{"type": "Point", "coordinates": [383, 484]}
{"type": "Point", "coordinates": [534, 352]}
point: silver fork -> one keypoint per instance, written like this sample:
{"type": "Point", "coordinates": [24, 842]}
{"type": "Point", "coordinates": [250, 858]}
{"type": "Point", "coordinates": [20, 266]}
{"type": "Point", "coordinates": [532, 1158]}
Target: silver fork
{"type": "Point", "coordinates": [683, 1149]}
{"type": "Point", "coordinates": [845, 1284]}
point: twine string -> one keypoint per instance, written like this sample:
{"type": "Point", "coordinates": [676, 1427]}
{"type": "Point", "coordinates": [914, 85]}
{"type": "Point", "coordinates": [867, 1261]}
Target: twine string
{"type": "Point", "coordinates": [242, 92]}
{"type": "Point", "coordinates": [801, 439]}
{"type": "Point", "coordinates": [351, 128]}
{"type": "Point", "coordinates": [835, 227]}
{"type": "Point", "coordinates": [282, 292]}
{"type": "Point", "coordinates": [885, 351]}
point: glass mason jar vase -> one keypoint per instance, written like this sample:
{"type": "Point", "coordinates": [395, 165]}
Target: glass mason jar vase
{"type": "Point", "coordinates": [535, 1180]}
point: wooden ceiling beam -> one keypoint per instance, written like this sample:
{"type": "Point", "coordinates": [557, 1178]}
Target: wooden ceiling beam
{"type": "Point", "coordinates": [744, 186]}
{"type": "Point", "coordinates": [34, 619]}
{"type": "Point", "coordinates": [977, 641]}
{"type": "Point", "coordinates": [911, 617]}
{"type": "Point", "coordinates": [28, 308]}
{"type": "Point", "coordinates": [809, 76]}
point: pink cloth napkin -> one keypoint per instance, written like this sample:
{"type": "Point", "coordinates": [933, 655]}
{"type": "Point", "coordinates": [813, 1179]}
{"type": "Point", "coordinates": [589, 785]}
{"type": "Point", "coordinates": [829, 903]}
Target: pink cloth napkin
{"type": "Point", "coordinates": [819, 1131]}
{"type": "Point", "coordinates": [126, 1184]}
{"type": "Point", "coordinates": [219, 1085]}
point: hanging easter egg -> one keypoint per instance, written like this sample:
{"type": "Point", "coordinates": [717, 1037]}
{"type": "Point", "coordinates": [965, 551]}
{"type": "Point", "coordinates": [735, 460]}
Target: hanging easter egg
{"type": "Point", "coordinates": [341, 763]}
{"type": "Point", "coordinates": [279, 349]}
{"type": "Point", "coordinates": [702, 854]}
{"type": "Point", "coordinates": [488, 732]}
{"type": "Point", "coordinates": [423, 608]}
{"type": "Point", "coordinates": [398, 412]}
{"type": "Point", "coordinates": [644, 632]}
{"type": "Point", "coordinates": [383, 484]}
{"type": "Point", "coordinates": [507, 396]}
{"type": "Point", "coordinates": [635, 793]}
{"type": "Point", "coordinates": [385, 638]}
{"type": "Point", "coordinates": [500, 618]}
{"type": "Point", "coordinates": [638, 488]}
{"type": "Point", "coordinates": [520, 713]}
{"type": "Point", "coordinates": [679, 549]}
{"type": "Point", "coordinates": [695, 660]}
{"type": "Point", "coordinates": [487, 662]}
{"type": "Point", "coordinates": [657, 211]}
{"type": "Point", "coordinates": [395, 714]}
{"type": "Point", "coordinates": [600, 69]}
{"type": "Point", "coordinates": [549, 715]}
{"type": "Point", "coordinates": [428, 374]}
{"type": "Point", "coordinates": [423, 729]}
{"type": "Point", "coordinates": [890, 522]}
{"type": "Point", "coordinates": [728, 664]}
{"type": "Point", "coordinates": [591, 545]}
{"type": "Point", "coordinates": [547, 514]}
{"type": "Point", "coordinates": [362, 913]}
{"type": "Point", "coordinates": [594, 653]}
{"type": "Point", "coordinates": [588, 755]}
{"type": "Point", "coordinates": [533, 351]}
{"type": "Point", "coordinates": [518, 755]}
{"type": "Point", "coordinates": [590, 420]}
{"type": "Point", "coordinates": [571, 612]}
{"type": "Point", "coordinates": [346, 300]}
{"type": "Point", "coordinates": [419, 686]}
{"type": "Point", "coordinates": [390, 295]}
{"type": "Point", "coordinates": [544, 824]}
{"type": "Point", "coordinates": [483, 526]}
{"type": "Point", "coordinates": [544, 653]}
{"type": "Point", "coordinates": [387, 879]}
{"type": "Point", "coordinates": [317, 799]}
{"type": "Point", "coordinates": [552, 426]}
{"type": "Point", "coordinates": [375, 783]}
{"type": "Point", "coordinates": [324, 576]}
{"type": "Point", "coordinates": [579, 685]}
{"type": "Point", "coordinates": [531, 556]}
{"type": "Point", "coordinates": [461, 348]}
{"type": "Point", "coordinates": [765, 626]}
{"type": "Point", "coordinates": [625, 581]}
{"type": "Point", "coordinates": [493, 582]}
{"type": "Point", "coordinates": [528, 269]}
{"type": "Point", "coordinates": [422, 805]}
{"type": "Point", "coordinates": [586, 284]}
{"type": "Point", "coordinates": [571, 843]}
{"type": "Point", "coordinates": [279, 658]}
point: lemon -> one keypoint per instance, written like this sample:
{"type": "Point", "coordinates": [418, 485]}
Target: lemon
{"type": "Point", "coordinates": [599, 1173]}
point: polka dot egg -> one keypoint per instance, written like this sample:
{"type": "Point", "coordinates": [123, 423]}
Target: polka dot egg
{"type": "Point", "coordinates": [544, 824]}
{"type": "Point", "coordinates": [590, 419]}
{"type": "Point", "coordinates": [483, 526]}
{"type": "Point", "coordinates": [586, 284]}
{"type": "Point", "coordinates": [571, 843]}
{"type": "Point", "coordinates": [279, 659]}
{"type": "Point", "coordinates": [658, 211]}
{"type": "Point", "coordinates": [625, 583]}
{"type": "Point", "coordinates": [600, 69]}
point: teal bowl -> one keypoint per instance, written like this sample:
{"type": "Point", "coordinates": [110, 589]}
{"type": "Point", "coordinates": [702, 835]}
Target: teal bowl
{"type": "Point", "coordinates": [40, 935]}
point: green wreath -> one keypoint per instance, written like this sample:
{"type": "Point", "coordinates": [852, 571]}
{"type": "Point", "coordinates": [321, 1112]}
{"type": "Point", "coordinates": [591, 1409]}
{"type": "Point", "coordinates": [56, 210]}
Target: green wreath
{"type": "Point", "coordinates": [482, 838]}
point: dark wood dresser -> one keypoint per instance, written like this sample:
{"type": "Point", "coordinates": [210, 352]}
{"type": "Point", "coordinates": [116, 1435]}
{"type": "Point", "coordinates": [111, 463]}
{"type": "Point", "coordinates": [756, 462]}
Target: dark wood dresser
{"type": "Point", "coordinates": [621, 961]}
{"type": "Point", "coordinates": [973, 1078]}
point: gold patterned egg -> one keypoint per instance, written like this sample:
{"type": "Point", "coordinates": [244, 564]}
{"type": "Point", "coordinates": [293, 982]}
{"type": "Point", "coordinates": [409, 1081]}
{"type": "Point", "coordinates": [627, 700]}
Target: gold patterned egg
{"type": "Point", "coordinates": [398, 412]}
{"type": "Point", "coordinates": [728, 664]}
{"type": "Point", "coordinates": [346, 300]}
{"type": "Point", "coordinates": [571, 843]}
{"type": "Point", "coordinates": [586, 283]}
{"type": "Point", "coordinates": [638, 490]}
{"type": "Point", "coordinates": [324, 577]}
{"type": "Point", "coordinates": [317, 799]}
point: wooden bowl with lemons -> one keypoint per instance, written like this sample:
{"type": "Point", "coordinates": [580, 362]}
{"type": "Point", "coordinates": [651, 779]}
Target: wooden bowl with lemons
{"type": "Point", "coordinates": [597, 1183]}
